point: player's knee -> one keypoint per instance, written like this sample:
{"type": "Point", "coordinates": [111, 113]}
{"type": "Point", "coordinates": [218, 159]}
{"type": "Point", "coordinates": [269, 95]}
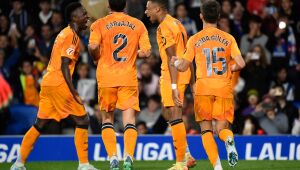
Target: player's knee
{"type": "Point", "coordinates": [40, 124]}
{"type": "Point", "coordinates": [206, 131]}
{"type": "Point", "coordinates": [82, 122]}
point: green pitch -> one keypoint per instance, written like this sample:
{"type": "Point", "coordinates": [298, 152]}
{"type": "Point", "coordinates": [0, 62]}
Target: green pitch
{"type": "Point", "coordinates": [163, 165]}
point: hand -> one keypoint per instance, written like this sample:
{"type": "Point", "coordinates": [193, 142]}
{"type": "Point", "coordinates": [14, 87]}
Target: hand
{"type": "Point", "coordinates": [173, 59]}
{"type": "Point", "coordinates": [176, 100]}
{"type": "Point", "coordinates": [76, 97]}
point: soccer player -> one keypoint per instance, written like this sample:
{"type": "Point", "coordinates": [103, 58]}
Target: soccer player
{"type": "Point", "coordinates": [58, 97]}
{"type": "Point", "coordinates": [216, 55]}
{"type": "Point", "coordinates": [171, 39]}
{"type": "Point", "coordinates": [115, 42]}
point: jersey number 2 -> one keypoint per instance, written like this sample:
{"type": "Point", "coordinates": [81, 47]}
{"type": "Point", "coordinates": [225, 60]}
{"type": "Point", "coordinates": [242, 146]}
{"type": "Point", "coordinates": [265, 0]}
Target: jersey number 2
{"type": "Point", "coordinates": [215, 59]}
{"type": "Point", "coordinates": [121, 47]}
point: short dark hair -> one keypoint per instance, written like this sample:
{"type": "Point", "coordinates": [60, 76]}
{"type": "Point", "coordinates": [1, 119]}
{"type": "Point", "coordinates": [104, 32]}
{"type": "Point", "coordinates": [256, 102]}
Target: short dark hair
{"type": "Point", "coordinates": [211, 10]}
{"type": "Point", "coordinates": [162, 3]}
{"type": "Point", "coordinates": [256, 19]}
{"type": "Point", "coordinates": [70, 9]}
{"type": "Point", "coordinates": [117, 5]}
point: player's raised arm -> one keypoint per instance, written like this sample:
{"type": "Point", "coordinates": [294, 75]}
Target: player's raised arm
{"type": "Point", "coordinates": [94, 41]}
{"type": "Point", "coordinates": [236, 55]}
{"type": "Point", "coordinates": [144, 44]}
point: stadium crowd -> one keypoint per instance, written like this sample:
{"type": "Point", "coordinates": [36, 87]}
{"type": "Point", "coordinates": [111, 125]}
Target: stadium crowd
{"type": "Point", "coordinates": [267, 91]}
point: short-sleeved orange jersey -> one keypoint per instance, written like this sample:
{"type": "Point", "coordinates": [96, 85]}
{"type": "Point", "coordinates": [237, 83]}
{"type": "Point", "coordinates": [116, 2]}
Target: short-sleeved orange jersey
{"type": "Point", "coordinates": [171, 32]}
{"type": "Point", "coordinates": [213, 50]}
{"type": "Point", "coordinates": [66, 45]}
{"type": "Point", "coordinates": [120, 36]}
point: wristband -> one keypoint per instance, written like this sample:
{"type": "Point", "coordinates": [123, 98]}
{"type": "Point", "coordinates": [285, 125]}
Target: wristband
{"type": "Point", "coordinates": [174, 86]}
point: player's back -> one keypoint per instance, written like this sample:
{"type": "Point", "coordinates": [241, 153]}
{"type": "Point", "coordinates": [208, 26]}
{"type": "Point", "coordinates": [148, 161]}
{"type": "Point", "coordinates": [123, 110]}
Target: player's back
{"type": "Point", "coordinates": [119, 43]}
{"type": "Point", "coordinates": [172, 32]}
{"type": "Point", "coordinates": [214, 50]}
{"type": "Point", "coordinates": [67, 45]}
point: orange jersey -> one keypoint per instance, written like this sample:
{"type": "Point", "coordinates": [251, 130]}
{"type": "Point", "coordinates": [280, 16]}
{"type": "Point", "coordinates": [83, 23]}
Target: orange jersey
{"type": "Point", "coordinates": [213, 50]}
{"type": "Point", "coordinates": [66, 45]}
{"type": "Point", "coordinates": [171, 32]}
{"type": "Point", "coordinates": [120, 36]}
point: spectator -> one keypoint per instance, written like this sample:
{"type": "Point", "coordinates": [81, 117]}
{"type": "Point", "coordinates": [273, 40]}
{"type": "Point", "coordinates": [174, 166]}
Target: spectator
{"type": "Point", "coordinates": [256, 71]}
{"type": "Point", "coordinates": [272, 122]}
{"type": "Point", "coordinates": [283, 44]}
{"type": "Point", "coordinates": [19, 16]}
{"type": "Point", "coordinates": [281, 79]}
{"type": "Point", "coordinates": [45, 14]}
{"type": "Point", "coordinates": [227, 9]}
{"type": "Point", "coordinates": [296, 125]}
{"type": "Point", "coordinates": [238, 20]}
{"type": "Point", "coordinates": [249, 126]}
{"type": "Point", "coordinates": [152, 115]}
{"type": "Point", "coordinates": [85, 86]}
{"type": "Point", "coordinates": [57, 22]}
{"type": "Point", "coordinates": [142, 128]}
{"type": "Point", "coordinates": [182, 15]}
{"type": "Point", "coordinates": [46, 41]}
{"type": "Point", "coordinates": [4, 24]}
{"type": "Point", "coordinates": [286, 8]}
{"type": "Point", "coordinates": [224, 24]}
{"type": "Point", "coordinates": [282, 105]}
{"type": "Point", "coordinates": [29, 84]}
{"type": "Point", "coordinates": [255, 37]}
{"type": "Point", "coordinates": [149, 81]}
{"type": "Point", "coordinates": [252, 103]}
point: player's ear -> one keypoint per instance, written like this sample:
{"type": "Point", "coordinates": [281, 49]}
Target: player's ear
{"type": "Point", "coordinates": [201, 16]}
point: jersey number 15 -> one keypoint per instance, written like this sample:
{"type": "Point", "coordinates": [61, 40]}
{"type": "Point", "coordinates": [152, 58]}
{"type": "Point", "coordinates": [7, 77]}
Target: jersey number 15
{"type": "Point", "coordinates": [209, 63]}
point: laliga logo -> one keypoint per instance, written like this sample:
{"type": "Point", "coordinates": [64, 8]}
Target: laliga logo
{"type": "Point", "coordinates": [70, 50]}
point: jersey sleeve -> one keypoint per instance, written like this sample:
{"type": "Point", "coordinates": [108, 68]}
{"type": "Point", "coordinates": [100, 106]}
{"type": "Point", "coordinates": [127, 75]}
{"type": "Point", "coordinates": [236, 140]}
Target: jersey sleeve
{"type": "Point", "coordinates": [95, 35]}
{"type": "Point", "coordinates": [190, 50]}
{"type": "Point", "coordinates": [234, 49]}
{"type": "Point", "coordinates": [69, 46]}
{"type": "Point", "coordinates": [144, 42]}
{"type": "Point", "coordinates": [167, 36]}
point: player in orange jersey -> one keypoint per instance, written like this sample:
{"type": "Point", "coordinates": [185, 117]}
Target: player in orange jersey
{"type": "Point", "coordinates": [171, 39]}
{"type": "Point", "coordinates": [115, 42]}
{"type": "Point", "coordinates": [213, 51]}
{"type": "Point", "coordinates": [58, 97]}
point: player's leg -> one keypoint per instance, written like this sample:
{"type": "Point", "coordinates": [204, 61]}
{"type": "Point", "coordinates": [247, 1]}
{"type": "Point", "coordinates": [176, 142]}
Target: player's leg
{"type": "Point", "coordinates": [107, 102]}
{"type": "Point", "coordinates": [209, 144]}
{"type": "Point", "coordinates": [189, 159]}
{"type": "Point", "coordinates": [65, 105]}
{"type": "Point", "coordinates": [28, 142]}
{"type": "Point", "coordinates": [224, 113]}
{"type": "Point", "coordinates": [175, 122]}
{"type": "Point", "coordinates": [128, 101]}
{"type": "Point", "coordinates": [109, 138]}
{"type": "Point", "coordinates": [203, 115]}
{"type": "Point", "coordinates": [130, 137]}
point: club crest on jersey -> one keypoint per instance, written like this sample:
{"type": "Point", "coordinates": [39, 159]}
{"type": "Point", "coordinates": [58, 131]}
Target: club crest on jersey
{"type": "Point", "coordinates": [70, 50]}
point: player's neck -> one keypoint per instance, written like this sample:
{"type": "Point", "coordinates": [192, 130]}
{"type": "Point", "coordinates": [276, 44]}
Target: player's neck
{"type": "Point", "coordinates": [209, 25]}
{"type": "Point", "coordinates": [75, 27]}
{"type": "Point", "coordinates": [162, 16]}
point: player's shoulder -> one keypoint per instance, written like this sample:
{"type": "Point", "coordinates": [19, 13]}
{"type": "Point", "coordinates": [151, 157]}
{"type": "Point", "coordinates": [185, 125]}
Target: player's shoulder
{"type": "Point", "coordinates": [66, 32]}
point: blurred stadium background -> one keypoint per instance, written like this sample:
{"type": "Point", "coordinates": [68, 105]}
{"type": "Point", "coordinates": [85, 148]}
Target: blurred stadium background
{"type": "Point", "coordinates": [267, 91]}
